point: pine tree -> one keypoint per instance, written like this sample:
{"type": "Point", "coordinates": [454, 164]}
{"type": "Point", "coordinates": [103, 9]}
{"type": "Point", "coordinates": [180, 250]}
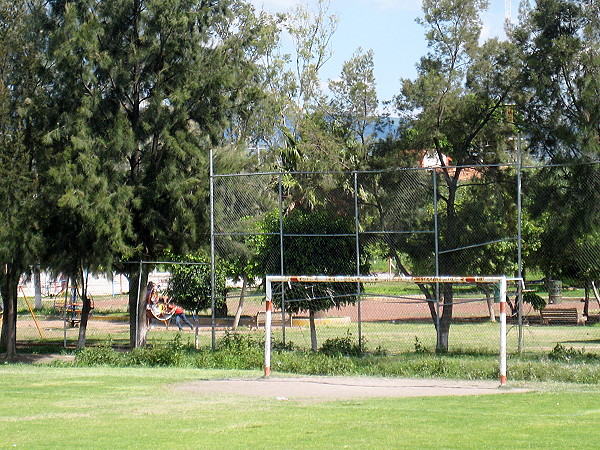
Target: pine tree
{"type": "Point", "coordinates": [154, 85]}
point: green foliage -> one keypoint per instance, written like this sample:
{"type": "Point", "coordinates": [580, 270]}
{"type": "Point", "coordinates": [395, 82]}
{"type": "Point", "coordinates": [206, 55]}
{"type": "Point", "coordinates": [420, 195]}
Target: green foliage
{"type": "Point", "coordinates": [237, 343]}
{"type": "Point", "coordinates": [316, 243]}
{"type": "Point", "coordinates": [238, 351]}
{"type": "Point", "coordinates": [419, 347]}
{"type": "Point", "coordinates": [99, 356]}
{"type": "Point", "coordinates": [346, 346]}
{"type": "Point", "coordinates": [170, 354]}
{"type": "Point", "coordinates": [560, 77]}
{"type": "Point", "coordinates": [565, 203]}
{"type": "Point", "coordinates": [562, 353]}
{"type": "Point", "coordinates": [534, 300]}
{"type": "Point", "coordinates": [190, 285]}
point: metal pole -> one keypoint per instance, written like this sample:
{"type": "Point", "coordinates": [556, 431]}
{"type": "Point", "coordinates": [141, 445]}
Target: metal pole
{"type": "Point", "coordinates": [519, 242]}
{"type": "Point", "coordinates": [357, 241]}
{"type": "Point", "coordinates": [137, 309]}
{"type": "Point", "coordinates": [437, 257]}
{"type": "Point", "coordinates": [503, 308]}
{"type": "Point", "coordinates": [32, 312]}
{"type": "Point", "coordinates": [268, 309]}
{"type": "Point", "coordinates": [212, 254]}
{"type": "Point", "coordinates": [281, 259]}
{"type": "Point", "coordinates": [65, 313]}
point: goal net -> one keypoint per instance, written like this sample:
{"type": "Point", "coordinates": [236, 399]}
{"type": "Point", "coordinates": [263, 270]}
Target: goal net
{"type": "Point", "coordinates": [494, 286]}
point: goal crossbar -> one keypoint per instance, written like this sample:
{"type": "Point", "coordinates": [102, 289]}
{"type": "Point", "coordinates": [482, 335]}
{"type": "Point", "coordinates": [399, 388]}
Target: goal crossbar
{"type": "Point", "coordinates": [500, 280]}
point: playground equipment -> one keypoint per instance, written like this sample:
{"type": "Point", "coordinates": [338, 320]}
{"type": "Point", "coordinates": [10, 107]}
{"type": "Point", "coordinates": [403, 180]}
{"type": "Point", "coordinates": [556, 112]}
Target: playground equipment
{"type": "Point", "coordinates": [30, 312]}
{"type": "Point", "coordinates": [69, 309]}
{"type": "Point", "coordinates": [162, 312]}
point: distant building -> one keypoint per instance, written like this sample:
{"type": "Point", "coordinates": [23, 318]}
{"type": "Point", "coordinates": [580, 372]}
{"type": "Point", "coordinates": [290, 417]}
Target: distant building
{"type": "Point", "coordinates": [431, 160]}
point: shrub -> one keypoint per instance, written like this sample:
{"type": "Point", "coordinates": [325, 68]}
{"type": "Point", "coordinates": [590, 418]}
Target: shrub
{"type": "Point", "coordinates": [103, 355]}
{"type": "Point", "coordinates": [346, 346]}
{"type": "Point", "coordinates": [170, 354]}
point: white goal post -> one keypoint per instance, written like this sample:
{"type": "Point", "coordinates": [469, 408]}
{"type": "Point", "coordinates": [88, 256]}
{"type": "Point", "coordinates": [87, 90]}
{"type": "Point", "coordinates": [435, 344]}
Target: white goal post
{"type": "Point", "coordinates": [501, 281]}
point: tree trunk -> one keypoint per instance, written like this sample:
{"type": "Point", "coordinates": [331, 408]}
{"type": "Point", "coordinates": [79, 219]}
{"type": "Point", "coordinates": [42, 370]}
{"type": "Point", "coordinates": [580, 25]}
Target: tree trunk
{"type": "Point", "coordinates": [586, 302]}
{"type": "Point", "coordinates": [37, 284]}
{"type": "Point", "coordinates": [445, 320]}
{"type": "Point", "coordinates": [490, 303]}
{"type": "Point", "coordinates": [138, 325]}
{"type": "Point", "coordinates": [313, 330]}
{"type": "Point", "coordinates": [10, 285]}
{"type": "Point", "coordinates": [85, 313]}
{"type": "Point", "coordinates": [448, 265]}
{"type": "Point", "coordinates": [238, 313]}
{"type": "Point", "coordinates": [595, 290]}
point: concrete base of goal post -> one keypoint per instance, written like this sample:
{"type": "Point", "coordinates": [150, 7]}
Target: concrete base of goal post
{"type": "Point", "coordinates": [503, 308]}
{"type": "Point", "coordinates": [268, 312]}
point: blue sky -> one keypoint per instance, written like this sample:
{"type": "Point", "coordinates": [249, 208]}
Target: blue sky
{"type": "Point", "coordinates": [387, 27]}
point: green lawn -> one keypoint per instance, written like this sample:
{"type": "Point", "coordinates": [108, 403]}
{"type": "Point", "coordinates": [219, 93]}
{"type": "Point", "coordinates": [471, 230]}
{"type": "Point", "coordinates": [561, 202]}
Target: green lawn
{"type": "Point", "coordinates": [52, 407]}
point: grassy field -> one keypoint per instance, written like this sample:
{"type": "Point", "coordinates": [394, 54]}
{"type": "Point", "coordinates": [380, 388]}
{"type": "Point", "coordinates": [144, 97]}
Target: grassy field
{"type": "Point", "coordinates": [51, 407]}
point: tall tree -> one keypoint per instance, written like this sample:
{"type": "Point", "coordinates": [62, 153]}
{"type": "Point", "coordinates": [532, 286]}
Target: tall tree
{"type": "Point", "coordinates": [559, 42]}
{"type": "Point", "coordinates": [454, 107]}
{"type": "Point", "coordinates": [84, 211]}
{"type": "Point", "coordinates": [21, 125]}
{"type": "Point", "coordinates": [161, 82]}
{"type": "Point", "coordinates": [311, 32]}
{"type": "Point", "coordinates": [315, 242]}
{"type": "Point", "coordinates": [354, 100]}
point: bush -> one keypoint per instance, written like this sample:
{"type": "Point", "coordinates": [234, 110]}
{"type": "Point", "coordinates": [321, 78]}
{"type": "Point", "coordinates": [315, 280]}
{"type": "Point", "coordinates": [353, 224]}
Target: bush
{"type": "Point", "coordinates": [170, 354]}
{"type": "Point", "coordinates": [104, 355]}
{"type": "Point", "coordinates": [240, 351]}
{"type": "Point", "coordinates": [190, 285]}
{"type": "Point", "coordinates": [346, 346]}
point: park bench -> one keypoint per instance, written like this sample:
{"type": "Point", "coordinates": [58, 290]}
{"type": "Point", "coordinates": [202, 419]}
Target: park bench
{"type": "Point", "coordinates": [276, 319]}
{"type": "Point", "coordinates": [551, 316]}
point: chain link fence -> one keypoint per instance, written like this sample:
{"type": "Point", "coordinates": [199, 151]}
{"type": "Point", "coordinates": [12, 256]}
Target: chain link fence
{"type": "Point", "coordinates": [469, 221]}
{"type": "Point", "coordinates": [540, 222]}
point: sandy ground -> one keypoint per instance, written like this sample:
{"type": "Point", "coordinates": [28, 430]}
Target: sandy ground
{"type": "Point", "coordinates": [342, 388]}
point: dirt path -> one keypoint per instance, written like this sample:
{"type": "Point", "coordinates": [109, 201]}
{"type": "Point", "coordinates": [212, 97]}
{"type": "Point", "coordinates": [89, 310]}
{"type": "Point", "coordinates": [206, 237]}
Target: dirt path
{"type": "Point", "coordinates": [343, 388]}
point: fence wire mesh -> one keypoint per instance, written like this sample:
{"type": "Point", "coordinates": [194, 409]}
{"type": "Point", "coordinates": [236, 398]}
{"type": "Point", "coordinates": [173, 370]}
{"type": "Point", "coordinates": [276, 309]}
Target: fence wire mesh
{"type": "Point", "coordinates": [409, 221]}
{"type": "Point", "coordinates": [424, 222]}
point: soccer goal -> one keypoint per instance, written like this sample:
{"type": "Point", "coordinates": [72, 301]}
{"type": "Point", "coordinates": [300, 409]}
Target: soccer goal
{"type": "Point", "coordinates": [497, 284]}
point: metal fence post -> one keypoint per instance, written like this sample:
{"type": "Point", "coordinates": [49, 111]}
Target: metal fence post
{"type": "Point", "coordinates": [281, 260]}
{"type": "Point", "coordinates": [137, 307]}
{"type": "Point", "coordinates": [519, 242]}
{"type": "Point", "coordinates": [212, 253]}
{"type": "Point", "coordinates": [437, 255]}
{"type": "Point", "coordinates": [357, 240]}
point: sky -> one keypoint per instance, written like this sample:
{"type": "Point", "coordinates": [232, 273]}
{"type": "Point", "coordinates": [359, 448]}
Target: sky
{"type": "Point", "coordinates": [387, 27]}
